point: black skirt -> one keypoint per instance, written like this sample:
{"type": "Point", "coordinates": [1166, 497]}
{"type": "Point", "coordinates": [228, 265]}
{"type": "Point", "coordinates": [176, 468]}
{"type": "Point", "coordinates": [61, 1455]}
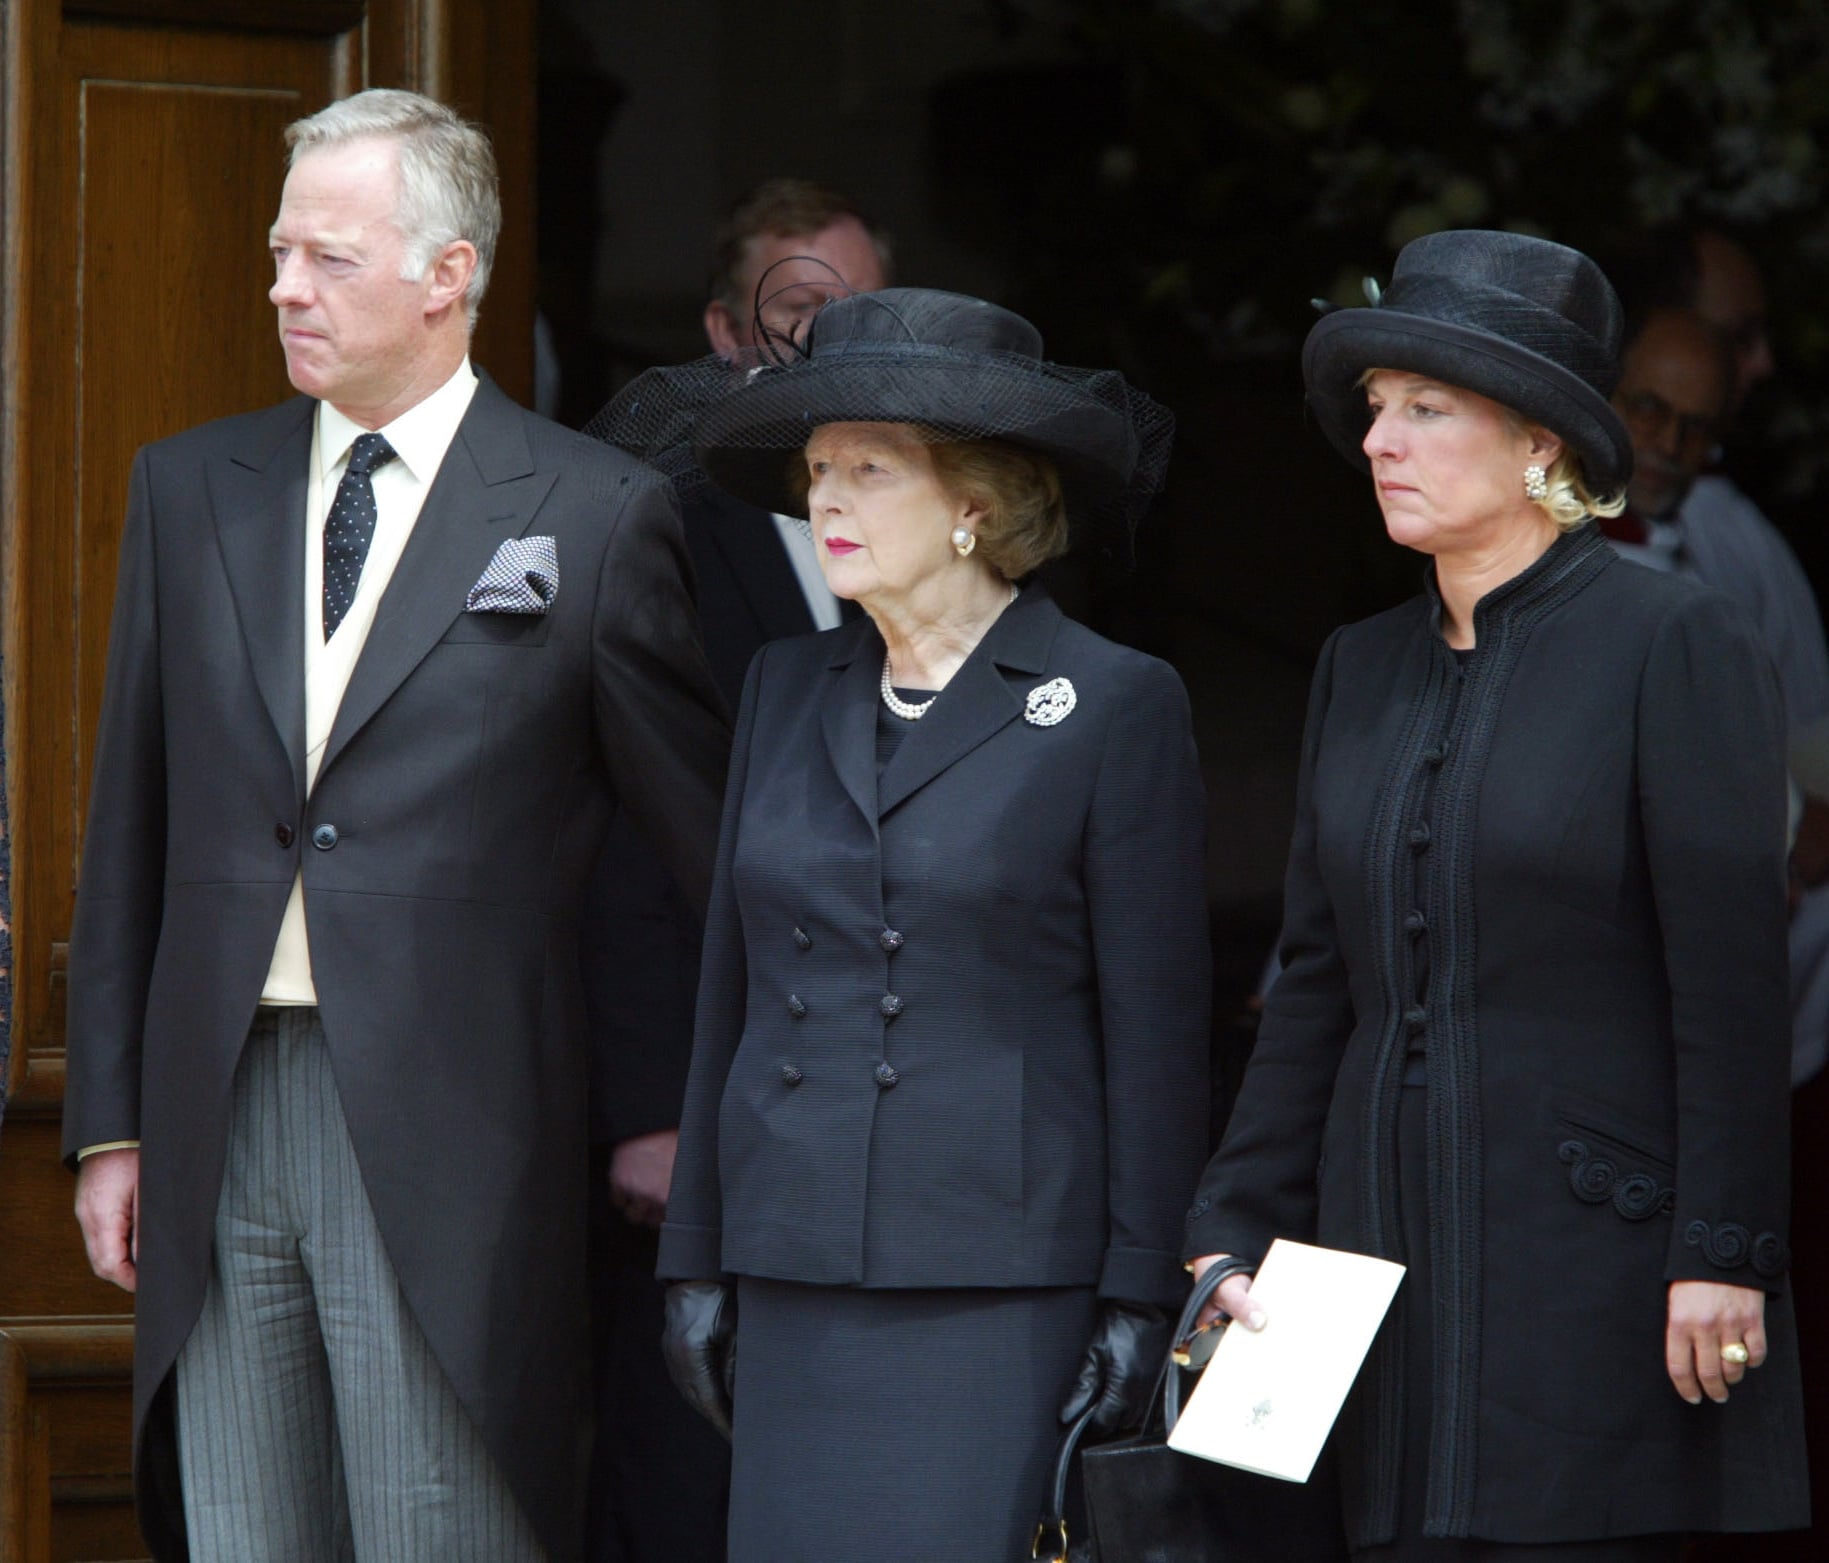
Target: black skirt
{"type": "Point", "coordinates": [908, 1424]}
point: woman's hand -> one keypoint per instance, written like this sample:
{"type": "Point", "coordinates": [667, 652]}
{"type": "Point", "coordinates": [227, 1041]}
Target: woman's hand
{"type": "Point", "coordinates": [1232, 1299]}
{"type": "Point", "coordinates": [1122, 1362]}
{"type": "Point", "coordinates": [1704, 1317]}
{"type": "Point", "coordinates": [699, 1342]}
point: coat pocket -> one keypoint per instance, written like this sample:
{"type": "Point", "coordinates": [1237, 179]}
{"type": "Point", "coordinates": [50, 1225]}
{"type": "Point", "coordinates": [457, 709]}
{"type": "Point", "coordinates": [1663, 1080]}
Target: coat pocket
{"type": "Point", "coordinates": [1610, 1163]}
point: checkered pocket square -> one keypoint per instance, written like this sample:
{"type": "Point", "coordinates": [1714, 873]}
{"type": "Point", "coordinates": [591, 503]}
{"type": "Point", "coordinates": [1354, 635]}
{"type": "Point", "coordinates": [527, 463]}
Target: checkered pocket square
{"type": "Point", "coordinates": [523, 577]}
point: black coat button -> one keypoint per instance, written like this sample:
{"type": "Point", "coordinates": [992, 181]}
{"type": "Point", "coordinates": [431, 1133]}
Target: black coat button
{"type": "Point", "coordinates": [1415, 922]}
{"type": "Point", "coordinates": [886, 1076]}
{"type": "Point", "coordinates": [794, 1006]}
{"type": "Point", "coordinates": [891, 1006]}
{"type": "Point", "coordinates": [324, 837]}
{"type": "Point", "coordinates": [803, 939]}
{"type": "Point", "coordinates": [282, 833]}
{"type": "Point", "coordinates": [1436, 755]}
{"type": "Point", "coordinates": [890, 940]}
{"type": "Point", "coordinates": [1421, 837]}
{"type": "Point", "coordinates": [1416, 1018]}
{"type": "Point", "coordinates": [790, 1075]}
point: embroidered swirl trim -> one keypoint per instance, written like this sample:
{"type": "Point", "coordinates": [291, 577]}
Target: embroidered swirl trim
{"type": "Point", "coordinates": [1596, 1179]}
{"type": "Point", "coordinates": [1728, 1245]}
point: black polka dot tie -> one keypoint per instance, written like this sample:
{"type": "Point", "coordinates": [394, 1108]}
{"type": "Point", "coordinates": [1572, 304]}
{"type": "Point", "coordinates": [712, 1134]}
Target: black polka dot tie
{"type": "Point", "coordinates": [350, 527]}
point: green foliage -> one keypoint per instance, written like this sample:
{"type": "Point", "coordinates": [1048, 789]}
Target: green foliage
{"type": "Point", "coordinates": [1265, 151]}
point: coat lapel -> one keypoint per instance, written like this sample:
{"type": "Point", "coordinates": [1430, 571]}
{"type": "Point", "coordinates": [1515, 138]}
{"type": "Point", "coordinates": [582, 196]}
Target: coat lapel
{"type": "Point", "coordinates": [979, 701]}
{"type": "Point", "coordinates": [257, 498]}
{"type": "Point", "coordinates": [486, 491]}
{"type": "Point", "coordinates": [848, 714]}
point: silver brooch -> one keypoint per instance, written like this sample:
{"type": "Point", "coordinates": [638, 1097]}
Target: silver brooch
{"type": "Point", "coordinates": [1050, 702]}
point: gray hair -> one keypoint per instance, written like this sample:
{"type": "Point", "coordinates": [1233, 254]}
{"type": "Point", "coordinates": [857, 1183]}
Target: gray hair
{"type": "Point", "coordinates": [448, 188]}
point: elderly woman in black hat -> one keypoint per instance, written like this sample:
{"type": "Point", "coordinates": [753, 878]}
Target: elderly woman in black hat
{"type": "Point", "coordinates": [947, 1087]}
{"type": "Point", "coordinates": [1530, 1034]}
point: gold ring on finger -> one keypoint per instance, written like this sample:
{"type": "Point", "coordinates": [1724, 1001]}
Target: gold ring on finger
{"type": "Point", "coordinates": [1735, 1352]}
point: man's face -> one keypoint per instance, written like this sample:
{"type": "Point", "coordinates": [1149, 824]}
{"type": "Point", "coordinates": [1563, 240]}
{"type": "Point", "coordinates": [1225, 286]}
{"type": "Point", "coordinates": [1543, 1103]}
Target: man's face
{"type": "Point", "coordinates": [1672, 393]}
{"type": "Point", "coordinates": [355, 333]}
{"type": "Point", "coordinates": [797, 273]}
{"type": "Point", "coordinates": [1730, 296]}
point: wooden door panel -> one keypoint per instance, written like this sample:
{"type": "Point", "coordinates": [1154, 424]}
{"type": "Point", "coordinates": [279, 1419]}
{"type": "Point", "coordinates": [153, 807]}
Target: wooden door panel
{"type": "Point", "coordinates": [178, 184]}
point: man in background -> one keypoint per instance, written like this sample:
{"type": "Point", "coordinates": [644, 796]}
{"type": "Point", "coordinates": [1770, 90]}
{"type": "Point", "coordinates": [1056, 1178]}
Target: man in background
{"type": "Point", "coordinates": [660, 1473]}
{"type": "Point", "coordinates": [1678, 384]}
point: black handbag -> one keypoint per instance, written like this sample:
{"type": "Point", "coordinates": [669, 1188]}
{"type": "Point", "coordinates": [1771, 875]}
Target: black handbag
{"type": "Point", "coordinates": [1148, 1503]}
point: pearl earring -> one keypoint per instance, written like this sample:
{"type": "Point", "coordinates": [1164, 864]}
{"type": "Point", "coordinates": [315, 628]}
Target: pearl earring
{"type": "Point", "coordinates": [965, 540]}
{"type": "Point", "coordinates": [1536, 484]}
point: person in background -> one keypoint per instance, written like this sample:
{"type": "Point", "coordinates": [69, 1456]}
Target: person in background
{"type": "Point", "coordinates": [947, 1089]}
{"type": "Point", "coordinates": [1530, 1038]}
{"type": "Point", "coordinates": [385, 660]}
{"type": "Point", "coordinates": [659, 1474]}
{"type": "Point", "coordinates": [1675, 391]}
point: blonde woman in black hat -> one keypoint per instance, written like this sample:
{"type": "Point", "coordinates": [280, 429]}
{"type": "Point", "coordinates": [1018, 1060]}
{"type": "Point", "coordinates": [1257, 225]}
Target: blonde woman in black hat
{"type": "Point", "coordinates": [1530, 1035]}
{"type": "Point", "coordinates": [947, 1089]}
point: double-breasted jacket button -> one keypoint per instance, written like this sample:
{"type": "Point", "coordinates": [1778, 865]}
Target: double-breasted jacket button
{"type": "Point", "coordinates": [1414, 921]}
{"type": "Point", "coordinates": [790, 1075]}
{"type": "Point", "coordinates": [890, 940]}
{"type": "Point", "coordinates": [1421, 836]}
{"type": "Point", "coordinates": [803, 939]}
{"type": "Point", "coordinates": [1416, 1017]}
{"type": "Point", "coordinates": [324, 837]}
{"type": "Point", "coordinates": [1436, 755]}
{"type": "Point", "coordinates": [891, 1006]}
{"type": "Point", "coordinates": [794, 1006]}
{"type": "Point", "coordinates": [886, 1076]}
{"type": "Point", "coordinates": [282, 833]}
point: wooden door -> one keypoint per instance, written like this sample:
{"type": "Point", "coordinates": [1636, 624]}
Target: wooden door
{"type": "Point", "coordinates": [140, 166]}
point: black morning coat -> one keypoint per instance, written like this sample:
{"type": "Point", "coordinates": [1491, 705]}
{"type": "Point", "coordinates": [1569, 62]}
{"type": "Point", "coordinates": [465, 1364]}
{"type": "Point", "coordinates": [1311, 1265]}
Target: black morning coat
{"type": "Point", "coordinates": [953, 1020]}
{"type": "Point", "coordinates": [1606, 1023]}
{"type": "Point", "coordinates": [474, 762]}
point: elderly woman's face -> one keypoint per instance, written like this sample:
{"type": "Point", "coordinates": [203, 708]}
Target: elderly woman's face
{"type": "Point", "coordinates": [1448, 464]}
{"type": "Point", "coordinates": [881, 519]}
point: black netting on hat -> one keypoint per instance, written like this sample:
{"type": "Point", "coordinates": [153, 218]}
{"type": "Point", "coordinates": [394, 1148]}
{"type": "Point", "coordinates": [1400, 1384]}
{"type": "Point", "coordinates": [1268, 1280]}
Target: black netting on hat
{"type": "Point", "coordinates": [738, 426]}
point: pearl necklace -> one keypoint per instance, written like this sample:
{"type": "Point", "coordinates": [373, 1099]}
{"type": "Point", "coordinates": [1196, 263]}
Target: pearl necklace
{"type": "Point", "coordinates": [907, 710]}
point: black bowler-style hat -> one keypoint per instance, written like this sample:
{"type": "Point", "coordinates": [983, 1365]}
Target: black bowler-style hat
{"type": "Point", "coordinates": [954, 367]}
{"type": "Point", "coordinates": [1534, 325]}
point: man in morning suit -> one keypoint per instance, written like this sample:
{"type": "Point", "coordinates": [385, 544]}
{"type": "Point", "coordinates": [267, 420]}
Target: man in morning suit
{"type": "Point", "coordinates": [385, 661]}
{"type": "Point", "coordinates": [660, 1472]}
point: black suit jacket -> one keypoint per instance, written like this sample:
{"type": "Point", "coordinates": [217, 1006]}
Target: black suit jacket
{"type": "Point", "coordinates": [641, 941]}
{"type": "Point", "coordinates": [1606, 1020]}
{"type": "Point", "coordinates": [952, 1023]}
{"type": "Point", "coordinates": [747, 589]}
{"type": "Point", "coordinates": [473, 764]}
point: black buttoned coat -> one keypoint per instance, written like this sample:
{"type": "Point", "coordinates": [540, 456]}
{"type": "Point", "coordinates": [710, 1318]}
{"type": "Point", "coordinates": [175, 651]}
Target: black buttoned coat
{"type": "Point", "coordinates": [952, 1023]}
{"type": "Point", "coordinates": [473, 764]}
{"type": "Point", "coordinates": [1606, 1023]}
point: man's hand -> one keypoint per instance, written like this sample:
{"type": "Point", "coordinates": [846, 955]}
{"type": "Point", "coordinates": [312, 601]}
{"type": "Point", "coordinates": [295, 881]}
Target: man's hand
{"type": "Point", "coordinates": [1705, 1316]}
{"type": "Point", "coordinates": [1810, 851]}
{"type": "Point", "coordinates": [641, 1176]}
{"type": "Point", "coordinates": [108, 1210]}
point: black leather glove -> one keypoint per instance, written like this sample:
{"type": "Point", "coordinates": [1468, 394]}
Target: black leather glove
{"type": "Point", "coordinates": [1123, 1360]}
{"type": "Point", "coordinates": [699, 1341]}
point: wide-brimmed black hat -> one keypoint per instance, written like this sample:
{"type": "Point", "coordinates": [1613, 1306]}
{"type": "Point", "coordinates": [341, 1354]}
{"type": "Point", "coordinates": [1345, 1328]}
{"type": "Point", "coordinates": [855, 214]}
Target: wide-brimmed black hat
{"type": "Point", "coordinates": [1534, 325]}
{"type": "Point", "coordinates": [951, 366]}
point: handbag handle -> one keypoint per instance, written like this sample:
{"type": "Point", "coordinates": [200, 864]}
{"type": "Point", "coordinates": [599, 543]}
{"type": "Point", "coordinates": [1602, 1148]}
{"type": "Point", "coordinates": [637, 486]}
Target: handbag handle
{"type": "Point", "coordinates": [1051, 1530]}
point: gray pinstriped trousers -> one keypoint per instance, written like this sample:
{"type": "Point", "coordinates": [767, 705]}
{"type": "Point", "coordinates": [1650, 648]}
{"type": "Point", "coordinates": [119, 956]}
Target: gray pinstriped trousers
{"type": "Point", "coordinates": [314, 1423]}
